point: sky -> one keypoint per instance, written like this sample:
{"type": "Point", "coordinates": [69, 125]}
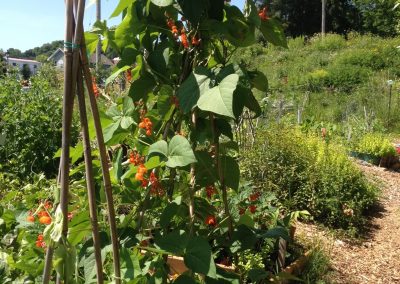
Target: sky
{"type": "Point", "coordinates": [25, 24]}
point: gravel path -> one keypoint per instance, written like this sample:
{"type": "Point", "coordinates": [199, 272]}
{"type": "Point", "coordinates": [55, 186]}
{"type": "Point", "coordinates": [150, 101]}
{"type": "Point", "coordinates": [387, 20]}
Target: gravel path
{"type": "Point", "coordinates": [377, 259]}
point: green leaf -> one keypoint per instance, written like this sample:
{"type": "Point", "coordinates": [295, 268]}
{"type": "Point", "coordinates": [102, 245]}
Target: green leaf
{"type": "Point", "coordinates": [164, 105]}
{"type": "Point", "coordinates": [141, 87]}
{"type": "Point", "coordinates": [184, 279]}
{"type": "Point", "coordinates": [64, 262]}
{"type": "Point", "coordinates": [257, 275]}
{"type": "Point", "coordinates": [245, 219]}
{"type": "Point", "coordinates": [168, 213]}
{"type": "Point", "coordinates": [109, 130]}
{"type": "Point", "coordinates": [198, 257]}
{"type": "Point", "coordinates": [160, 147]}
{"type": "Point", "coordinates": [193, 87]}
{"type": "Point", "coordinates": [243, 238]}
{"type": "Point", "coordinates": [126, 122]}
{"type": "Point", "coordinates": [220, 98]}
{"type": "Point", "coordinates": [180, 152]}
{"type": "Point", "coordinates": [122, 5]}
{"type": "Point", "coordinates": [258, 80]}
{"type": "Point", "coordinates": [91, 41]}
{"type": "Point", "coordinates": [231, 172]}
{"type": "Point", "coordinates": [162, 3]}
{"type": "Point", "coordinates": [114, 75]}
{"type": "Point", "coordinates": [174, 242]}
{"type": "Point", "coordinates": [79, 228]}
{"type": "Point", "coordinates": [117, 165]}
{"type": "Point", "coordinates": [193, 10]}
{"type": "Point", "coordinates": [276, 233]}
{"type": "Point", "coordinates": [130, 266]}
{"type": "Point", "coordinates": [128, 29]}
{"type": "Point", "coordinates": [251, 13]}
{"type": "Point", "coordinates": [273, 32]}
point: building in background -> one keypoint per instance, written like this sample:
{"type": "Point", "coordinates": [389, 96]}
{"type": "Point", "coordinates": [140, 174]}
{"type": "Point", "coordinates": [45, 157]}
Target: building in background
{"type": "Point", "coordinates": [57, 58]}
{"type": "Point", "coordinates": [19, 63]}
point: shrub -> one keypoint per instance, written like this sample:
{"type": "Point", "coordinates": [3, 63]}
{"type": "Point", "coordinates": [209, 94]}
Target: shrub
{"type": "Point", "coordinates": [308, 173]}
{"type": "Point", "coordinates": [330, 42]}
{"type": "Point", "coordinates": [30, 124]}
{"type": "Point", "coordinates": [376, 145]}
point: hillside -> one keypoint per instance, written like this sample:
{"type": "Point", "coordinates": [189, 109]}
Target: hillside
{"type": "Point", "coordinates": [333, 79]}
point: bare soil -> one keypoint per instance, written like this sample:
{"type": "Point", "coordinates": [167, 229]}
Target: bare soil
{"type": "Point", "coordinates": [376, 258]}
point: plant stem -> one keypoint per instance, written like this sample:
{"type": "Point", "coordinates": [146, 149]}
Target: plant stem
{"type": "Point", "coordinates": [90, 178]}
{"type": "Point", "coordinates": [221, 175]}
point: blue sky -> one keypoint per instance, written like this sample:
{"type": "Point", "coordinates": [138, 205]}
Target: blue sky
{"type": "Point", "coordinates": [29, 23]}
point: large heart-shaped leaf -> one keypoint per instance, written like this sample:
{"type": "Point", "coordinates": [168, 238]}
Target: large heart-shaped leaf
{"type": "Point", "coordinates": [273, 32]}
{"type": "Point", "coordinates": [193, 87]}
{"type": "Point", "coordinates": [198, 257]}
{"type": "Point", "coordinates": [179, 153]}
{"type": "Point", "coordinates": [219, 99]}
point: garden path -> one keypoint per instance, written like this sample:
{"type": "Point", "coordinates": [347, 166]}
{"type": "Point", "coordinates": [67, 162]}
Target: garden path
{"type": "Point", "coordinates": [375, 259]}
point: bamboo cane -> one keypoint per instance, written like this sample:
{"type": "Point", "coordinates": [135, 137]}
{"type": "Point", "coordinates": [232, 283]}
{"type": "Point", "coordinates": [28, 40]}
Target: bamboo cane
{"type": "Point", "coordinates": [104, 164]}
{"type": "Point", "coordinates": [89, 177]}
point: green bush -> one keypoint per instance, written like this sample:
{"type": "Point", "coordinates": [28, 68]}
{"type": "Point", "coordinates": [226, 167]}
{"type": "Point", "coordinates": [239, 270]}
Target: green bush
{"type": "Point", "coordinates": [30, 124]}
{"type": "Point", "coordinates": [308, 173]}
{"type": "Point", "coordinates": [330, 42]}
{"type": "Point", "coordinates": [375, 145]}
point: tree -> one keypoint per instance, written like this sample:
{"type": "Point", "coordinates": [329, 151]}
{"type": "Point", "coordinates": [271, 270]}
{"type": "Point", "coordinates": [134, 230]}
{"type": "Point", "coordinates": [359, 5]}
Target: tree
{"type": "Point", "coordinates": [304, 17]}
{"type": "Point", "coordinates": [26, 72]}
{"type": "Point", "coordinates": [379, 17]}
{"type": "Point", "coordinates": [13, 52]}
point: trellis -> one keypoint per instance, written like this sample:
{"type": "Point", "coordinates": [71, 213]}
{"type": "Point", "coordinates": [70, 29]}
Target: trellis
{"type": "Point", "coordinates": [76, 75]}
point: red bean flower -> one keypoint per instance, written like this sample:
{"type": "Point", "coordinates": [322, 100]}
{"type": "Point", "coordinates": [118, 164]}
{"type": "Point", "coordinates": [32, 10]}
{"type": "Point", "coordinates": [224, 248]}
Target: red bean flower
{"type": "Point", "coordinates": [211, 221]}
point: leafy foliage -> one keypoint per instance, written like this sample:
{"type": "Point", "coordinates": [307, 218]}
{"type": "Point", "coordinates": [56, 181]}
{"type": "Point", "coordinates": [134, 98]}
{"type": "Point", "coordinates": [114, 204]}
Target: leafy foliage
{"type": "Point", "coordinates": [312, 174]}
{"type": "Point", "coordinates": [30, 124]}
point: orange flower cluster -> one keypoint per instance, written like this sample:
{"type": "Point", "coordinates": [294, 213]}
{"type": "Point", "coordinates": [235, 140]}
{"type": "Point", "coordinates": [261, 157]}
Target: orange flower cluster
{"type": "Point", "coordinates": [147, 125]}
{"type": "Point", "coordinates": [95, 89]}
{"type": "Point", "coordinates": [253, 209]}
{"type": "Point", "coordinates": [263, 14]}
{"type": "Point", "coordinates": [43, 215]}
{"type": "Point", "coordinates": [40, 242]}
{"type": "Point", "coordinates": [254, 196]}
{"type": "Point", "coordinates": [184, 39]}
{"type": "Point", "coordinates": [210, 191]}
{"type": "Point", "coordinates": [44, 218]}
{"type": "Point", "coordinates": [181, 33]}
{"type": "Point", "coordinates": [211, 221]}
{"type": "Point", "coordinates": [140, 172]}
{"type": "Point", "coordinates": [135, 158]}
{"type": "Point", "coordinates": [129, 75]}
{"type": "Point", "coordinates": [171, 24]}
{"type": "Point", "coordinates": [156, 188]}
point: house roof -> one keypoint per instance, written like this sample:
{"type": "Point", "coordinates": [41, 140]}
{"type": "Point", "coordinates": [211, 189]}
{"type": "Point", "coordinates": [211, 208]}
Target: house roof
{"type": "Point", "coordinates": [23, 60]}
{"type": "Point", "coordinates": [56, 55]}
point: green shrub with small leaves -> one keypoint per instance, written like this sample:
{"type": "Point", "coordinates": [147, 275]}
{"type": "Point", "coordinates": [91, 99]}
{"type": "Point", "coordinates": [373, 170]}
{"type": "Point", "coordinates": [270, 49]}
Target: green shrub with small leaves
{"type": "Point", "coordinates": [375, 145]}
{"type": "Point", "coordinates": [310, 173]}
{"type": "Point", "coordinates": [30, 124]}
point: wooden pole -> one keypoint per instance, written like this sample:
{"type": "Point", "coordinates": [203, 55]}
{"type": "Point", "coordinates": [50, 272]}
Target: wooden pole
{"type": "Point", "coordinates": [104, 165]}
{"type": "Point", "coordinates": [89, 178]}
{"type": "Point", "coordinates": [323, 18]}
{"type": "Point", "coordinates": [98, 49]}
